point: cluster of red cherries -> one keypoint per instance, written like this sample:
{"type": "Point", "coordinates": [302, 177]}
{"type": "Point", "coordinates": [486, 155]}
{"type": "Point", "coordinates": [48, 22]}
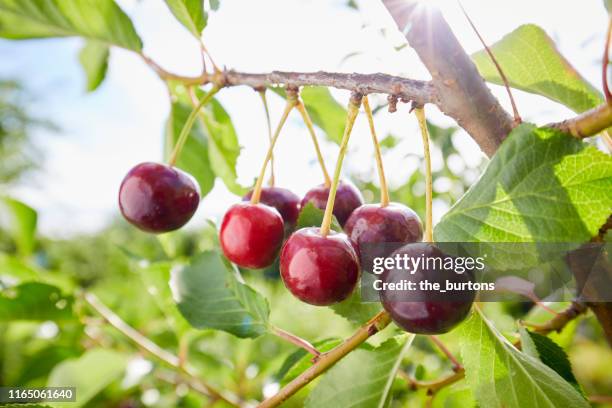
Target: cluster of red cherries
{"type": "Point", "coordinates": [318, 269]}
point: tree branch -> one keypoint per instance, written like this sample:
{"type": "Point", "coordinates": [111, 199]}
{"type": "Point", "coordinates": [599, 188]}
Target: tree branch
{"type": "Point", "coordinates": [460, 89]}
{"type": "Point", "coordinates": [557, 323]}
{"type": "Point", "coordinates": [421, 92]}
{"type": "Point", "coordinates": [588, 123]}
{"type": "Point", "coordinates": [327, 360]}
{"type": "Point", "coordinates": [167, 357]}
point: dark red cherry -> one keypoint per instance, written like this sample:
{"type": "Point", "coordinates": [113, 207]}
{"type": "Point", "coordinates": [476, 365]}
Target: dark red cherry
{"type": "Point", "coordinates": [286, 202]}
{"type": "Point", "coordinates": [426, 311]}
{"type": "Point", "coordinates": [372, 224]}
{"type": "Point", "coordinates": [251, 234]}
{"type": "Point", "coordinates": [319, 270]}
{"type": "Point", "coordinates": [347, 199]}
{"type": "Point", "coordinates": [158, 198]}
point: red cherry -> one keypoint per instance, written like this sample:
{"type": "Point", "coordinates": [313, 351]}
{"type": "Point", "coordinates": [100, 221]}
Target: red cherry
{"type": "Point", "coordinates": [373, 224]}
{"type": "Point", "coordinates": [286, 202]}
{"type": "Point", "coordinates": [251, 234]}
{"type": "Point", "coordinates": [347, 199]}
{"type": "Point", "coordinates": [319, 270]}
{"type": "Point", "coordinates": [158, 198]}
{"type": "Point", "coordinates": [430, 311]}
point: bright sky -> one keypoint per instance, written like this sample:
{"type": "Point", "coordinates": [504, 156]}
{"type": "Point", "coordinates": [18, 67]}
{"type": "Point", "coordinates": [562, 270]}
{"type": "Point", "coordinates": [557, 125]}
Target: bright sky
{"type": "Point", "coordinates": [105, 133]}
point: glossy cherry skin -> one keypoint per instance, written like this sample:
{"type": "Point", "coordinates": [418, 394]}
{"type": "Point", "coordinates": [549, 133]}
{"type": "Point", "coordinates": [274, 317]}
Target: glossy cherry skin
{"type": "Point", "coordinates": [319, 270]}
{"type": "Point", "coordinates": [426, 312]}
{"type": "Point", "coordinates": [348, 198]}
{"type": "Point", "coordinates": [251, 234]}
{"type": "Point", "coordinates": [158, 198]}
{"type": "Point", "coordinates": [286, 202]}
{"type": "Point", "coordinates": [373, 224]}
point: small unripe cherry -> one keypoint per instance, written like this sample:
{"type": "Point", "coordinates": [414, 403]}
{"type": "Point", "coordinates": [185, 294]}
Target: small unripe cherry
{"type": "Point", "coordinates": [158, 198]}
{"type": "Point", "coordinates": [251, 234]}
{"type": "Point", "coordinates": [319, 270]}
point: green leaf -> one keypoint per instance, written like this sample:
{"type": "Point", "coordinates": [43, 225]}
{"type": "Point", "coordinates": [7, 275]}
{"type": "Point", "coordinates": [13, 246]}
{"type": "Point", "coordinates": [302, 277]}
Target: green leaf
{"type": "Point", "coordinates": [311, 216]}
{"type": "Point", "coordinates": [94, 60]}
{"type": "Point", "coordinates": [323, 109]}
{"type": "Point", "coordinates": [531, 62]}
{"type": "Point", "coordinates": [356, 311]}
{"type": "Point", "coordinates": [90, 374]}
{"type": "Point", "coordinates": [155, 278]}
{"type": "Point", "coordinates": [20, 221]}
{"type": "Point", "coordinates": [16, 269]}
{"type": "Point", "coordinates": [223, 145]}
{"type": "Point", "coordinates": [608, 6]}
{"type": "Point", "coordinates": [194, 156]}
{"type": "Point", "coordinates": [549, 353]}
{"type": "Point", "coordinates": [362, 379]}
{"type": "Point", "coordinates": [541, 185]}
{"type": "Point", "coordinates": [501, 376]}
{"type": "Point", "coordinates": [214, 4]}
{"type": "Point", "coordinates": [210, 294]}
{"type": "Point", "coordinates": [34, 301]}
{"type": "Point", "coordinates": [99, 20]}
{"type": "Point", "coordinates": [190, 13]}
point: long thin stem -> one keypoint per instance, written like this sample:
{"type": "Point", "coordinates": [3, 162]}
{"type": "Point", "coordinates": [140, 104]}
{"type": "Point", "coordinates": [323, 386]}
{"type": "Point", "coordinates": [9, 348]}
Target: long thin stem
{"type": "Point", "coordinates": [306, 117]}
{"type": "Point", "coordinates": [184, 135]}
{"type": "Point", "coordinates": [606, 63]}
{"type": "Point", "coordinates": [517, 116]}
{"type": "Point", "coordinates": [146, 344]}
{"type": "Point", "coordinates": [327, 360]}
{"type": "Point", "coordinates": [420, 114]}
{"type": "Point", "coordinates": [456, 364]}
{"type": "Point", "coordinates": [353, 111]}
{"type": "Point", "coordinates": [384, 190]}
{"type": "Point", "coordinates": [298, 341]}
{"type": "Point", "coordinates": [264, 101]}
{"type": "Point", "coordinates": [291, 101]}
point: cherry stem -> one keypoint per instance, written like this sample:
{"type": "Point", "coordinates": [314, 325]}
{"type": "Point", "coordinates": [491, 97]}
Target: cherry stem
{"type": "Point", "coordinates": [296, 340]}
{"type": "Point", "coordinates": [384, 190]}
{"type": "Point", "coordinates": [184, 135]}
{"type": "Point", "coordinates": [420, 114]}
{"type": "Point", "coordinates": [291, 101]}
{"type": "Point", "coordinates": [605, 63]}
{"type": "Point", "coordinates": [264, 100]}
{"type": "Point", "coordinates": [306, 117]}
{"type": "Point", "coordinates": [353, 111]}
{"type": "Point", "coordinates": [456, 364]}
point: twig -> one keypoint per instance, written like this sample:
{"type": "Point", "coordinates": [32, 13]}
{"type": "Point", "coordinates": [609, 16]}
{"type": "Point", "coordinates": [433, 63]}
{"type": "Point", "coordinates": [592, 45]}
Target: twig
{"type": "Point", "coordinates": [421, 92]}
{"type": "Point", "coordinates": [558, 322]}
{"type": "Point", "coordinates": [456, 364]}
{"type": "Point", "coordinates": [146, 344]}
{"type": "Point", "coordinates": [588, 123]}
{"type": "Point", "coordinates": [298, 341]}
{"type": "Point", "coordinates": [605, 63]}
{"type": "Point", "coordinates": [601, 399]}
{"type": "Point", "coordinates": [327, 360]}
{"type": "Point", "coordinates": [433, 386]}
{"type": "Point", "coordinates": [517, 116]}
